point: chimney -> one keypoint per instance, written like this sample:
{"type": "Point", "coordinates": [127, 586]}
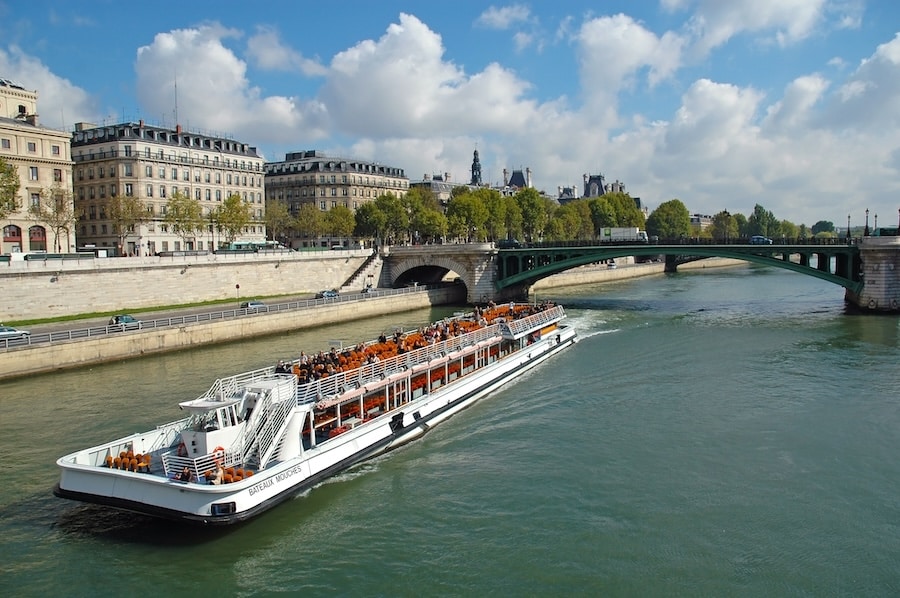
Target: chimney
{"type": "Point", "coordinates": [32, 119]}
{"type": "Point", "coordinates": [528, 178]}
{"type": "Point", "coordinates": [178, 129]}
{"type": "Point", "coordinates": [141, 123]}
{"type": "Point", "coordinates": [505, 177]}
{"type": "Point", "coordinates": [446, 177]}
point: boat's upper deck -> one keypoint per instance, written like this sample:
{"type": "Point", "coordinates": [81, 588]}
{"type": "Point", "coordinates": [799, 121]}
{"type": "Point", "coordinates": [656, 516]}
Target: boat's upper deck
{"type": "Point", "coordinates": [377, 361]}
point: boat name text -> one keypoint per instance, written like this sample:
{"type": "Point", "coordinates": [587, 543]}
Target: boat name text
{"type": "Point", "coordinates": [275, 479]}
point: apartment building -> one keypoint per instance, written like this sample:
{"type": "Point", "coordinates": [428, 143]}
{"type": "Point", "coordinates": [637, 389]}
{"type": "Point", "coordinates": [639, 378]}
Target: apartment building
{"type": "Point", "coordinates": [42, 158]}
{"type": "Point", "coordinates": [312, 177]}
{"type": "Point", "coordinates": [153, 163]}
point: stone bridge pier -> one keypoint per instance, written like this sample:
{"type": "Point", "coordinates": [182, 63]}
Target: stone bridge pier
{"type": "Point", "coordinates": [880, 260]}
{"type": "Point", "coordinates": [473, 263]}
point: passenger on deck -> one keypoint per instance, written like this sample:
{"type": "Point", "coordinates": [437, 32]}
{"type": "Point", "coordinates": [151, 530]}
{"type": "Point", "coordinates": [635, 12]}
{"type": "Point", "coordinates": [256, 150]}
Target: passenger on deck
{"type": "Point", "coordinates": [220, 475]}
{"type": "Point", "coordinates": [186, 475]}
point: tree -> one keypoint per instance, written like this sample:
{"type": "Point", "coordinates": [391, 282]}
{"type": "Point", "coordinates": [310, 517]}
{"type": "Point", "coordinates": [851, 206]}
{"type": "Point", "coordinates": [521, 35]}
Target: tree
{"type": "Point", "coordinates": [822, 226]}
{"type": "Point", "coordinates": [534, 213]}
{"type": "Point", "coordinates": [126, 212]}
{"type": "Point", "coordinates": [233, 216]}
{"type": "Point", "coordinates": [278, 219]}
{"type": "Point", "coordinates": [670, 220]}
{"type": "Point", "coordinates": [396, 219]}
{"type": "Point", "coordinates": [743, 225]}
{"type": "Point", "coordinates": [310, 221]}
{"type": "Point", "coordinates": [602, 214]}
{"type": "Point", "coordinates": [339, 222]}
{"type": "Point", "coordinates": [762, 222]}
{"type": "Point", "coordinates": [466, 216]}
{"type": "Point", "coordinates": [370, 221]}
{"type": "Point", "coordinates": [431, 224]}
{"type": "Point", "coordinates": [9, 188]}
{"type": "Point", "coordinates": [184, 215]}
{"type": "Point", "coordinates": [724, 226]}
{"type": "Point", "coordinates": [625, 209]}
{"type": "Point", "coordinates": [565, 224]}
{"type": "Point", "coordinates": [56, 209]}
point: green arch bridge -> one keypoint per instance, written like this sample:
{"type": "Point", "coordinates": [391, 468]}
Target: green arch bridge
{"type": "Point", "coordinates": [838, 261]}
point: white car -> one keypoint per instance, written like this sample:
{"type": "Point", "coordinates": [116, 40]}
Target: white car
{"type": "Point", "coordinates": [10, 333]}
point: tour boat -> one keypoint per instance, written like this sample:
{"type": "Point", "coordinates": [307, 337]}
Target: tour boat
{"type": "Point", "coordinates": [259, 438]}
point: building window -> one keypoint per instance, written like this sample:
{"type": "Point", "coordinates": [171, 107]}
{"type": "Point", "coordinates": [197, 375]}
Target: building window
{"type": "Point", "coordinates": [4, 143]}
{"type": "Point", "coordinates": [208, 195]}
{"type": "Point", "coordinates": [57, 175]}
{"type": "Point", "coordinates": [127, 149]}
{"type": "Point", "coordinates": [112, 190]}
{"type": "Point", "coordinates": [228, 178]}
{"type": "Point", "coordinates": [174, 174]}
{"type": "Point", "coordinates": [322, 205]}
{"type": "Point", "coordinates": [187, 175]}
{"type": "Point", "coordinates": [218, 178]}
{"type": "Point", "coordinates": [197, 194]}
{"type": "Point", "coordinates": [322, 192]}
{"type": "Point", "coordinates": [35, 200]}
{"type": "Point", "coordinates": [32, 173]}
{"type": "Point", "coordinates": [103, 229]}
{"type": "Point", "coordinates": [32, 146]}
{"type": "Point", "coordinates": [162, 190]}
{"type": "Point", "coordinates": [91, 193]}
{"type": "Point", "coordinates": [149, 190]}
{"type": "Point", "coordinates": [93, 229]}
{"type": "Point", "coordinates": [206, 177]}
{"type": "Point", "coordinates": [102, 191]}
{"type": "Point", "coordinates": [218, 195]}
{"type": "Point", "coordinates": [128, 171]}
{"type": "Point", "coordinates": [129, 190]}
{"type": "Point", "coordinates": [162, 172]}
{"type": "Point", "coordinates": [54, 149]}
{"type": "Point", "coordinates": [112, 171]}
{"type": "Point", "coordinates": [148, 170]}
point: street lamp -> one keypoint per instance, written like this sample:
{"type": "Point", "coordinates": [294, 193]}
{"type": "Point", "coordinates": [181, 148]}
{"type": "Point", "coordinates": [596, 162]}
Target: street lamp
{"type": "Point", "coordinates": [848, 227]}
{"type": "Point", "coordinates": [875, 226]}
{"type": "Point", "coordinates": [866, 230]}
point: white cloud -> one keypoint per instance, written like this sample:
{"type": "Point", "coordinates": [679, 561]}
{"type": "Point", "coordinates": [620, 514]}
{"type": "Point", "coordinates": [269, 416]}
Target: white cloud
{"type": "Point", "coordinates": [871, 96]}
{"type": "Point", "coordinates": [401, 86]}
{"type": "Point", "coordinates": [60, 102]}
{"type": "Point", "coordinates": [715, 22]}
{"type": "Point", "coordinates": [214, 92]}
{"type": "Point", "coordinates": [268, 52]}
{"type": "Point", "coordinates": [612, 50]}
{"type": "Point", "coordinates": [504, 17]}
{"type": "Point", "coordinates": [794, 109]}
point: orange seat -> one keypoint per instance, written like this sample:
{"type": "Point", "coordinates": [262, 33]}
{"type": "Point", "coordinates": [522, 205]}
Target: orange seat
{"type": "Point", "coordinates": [109, 461]}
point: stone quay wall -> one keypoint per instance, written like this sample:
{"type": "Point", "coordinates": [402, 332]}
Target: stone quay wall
{"type": "Point", "coordinates": [36, 289]}
{"type": "Point", "coordinates": [47, 358]}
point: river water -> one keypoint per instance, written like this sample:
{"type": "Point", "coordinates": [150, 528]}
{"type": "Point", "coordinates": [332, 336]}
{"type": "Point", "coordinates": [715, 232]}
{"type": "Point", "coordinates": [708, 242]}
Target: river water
{"type": "Point", "coordinates": [718, 432]}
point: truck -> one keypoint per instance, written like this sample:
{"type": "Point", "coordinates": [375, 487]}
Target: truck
{"type": "Point", "coordinates": [623, 234]}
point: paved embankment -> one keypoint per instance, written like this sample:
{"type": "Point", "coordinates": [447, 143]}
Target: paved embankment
{"type": "Point", "coordinates": [111, 347]}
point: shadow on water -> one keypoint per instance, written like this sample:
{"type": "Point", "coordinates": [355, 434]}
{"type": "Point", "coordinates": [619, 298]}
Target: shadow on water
{"type": "Point", "coordinates": [117, 526]}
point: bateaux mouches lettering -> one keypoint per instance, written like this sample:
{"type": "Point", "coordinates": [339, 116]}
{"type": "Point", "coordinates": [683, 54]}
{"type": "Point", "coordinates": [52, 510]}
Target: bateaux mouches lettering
{"type": "Point", "coordinates": [278, 478]}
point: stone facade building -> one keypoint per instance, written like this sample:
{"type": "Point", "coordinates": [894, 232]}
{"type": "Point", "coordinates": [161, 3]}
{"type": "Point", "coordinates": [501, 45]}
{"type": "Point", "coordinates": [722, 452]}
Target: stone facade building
{"type": "Point", "coordinates": [312, 177]}
{"type": "Point", "coordinates": [42, 158]}
{"type": "Point", "coordinates": [152, 164]}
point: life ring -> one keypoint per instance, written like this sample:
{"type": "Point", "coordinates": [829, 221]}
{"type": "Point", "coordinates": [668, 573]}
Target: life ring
{"type": "Point", "coordinates": [894, 303]}
{"type": "Point", "coordinates": [215, 452]}
{"type": "Point", "coordinates": [872, 304]}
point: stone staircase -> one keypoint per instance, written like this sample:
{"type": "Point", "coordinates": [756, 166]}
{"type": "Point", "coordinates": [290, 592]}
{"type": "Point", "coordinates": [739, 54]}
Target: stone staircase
{"type": "Point", "coordinates": [368, 273]}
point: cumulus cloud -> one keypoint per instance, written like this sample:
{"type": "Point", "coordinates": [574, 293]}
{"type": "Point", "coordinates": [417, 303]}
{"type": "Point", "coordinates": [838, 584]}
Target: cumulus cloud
{"type": "Point", "coordinates": [400, 85]}
{"type": "Point", "coordinates": [612, 51]}
{"type": "Point", "coordinates": [60, 102]}
{"type": "Point", "coordinates": [503, 17]}
{"type": "Point", "coordinates": [870, 98]}
{"type": "Point", "coordinates": [713, 22]}
{"type": "Point", "coordinates": [214, 92]}
{"type": "Point", "coordinates": [794, 109]}
{"type": "Point", "coordinates": [266, 50]}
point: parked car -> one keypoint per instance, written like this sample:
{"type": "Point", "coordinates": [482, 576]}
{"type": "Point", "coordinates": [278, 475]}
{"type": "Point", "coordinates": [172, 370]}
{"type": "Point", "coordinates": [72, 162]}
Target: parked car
{"type": "Point", "coordinates": [611, 264]}
{"type": "Point", "coordinates": [760, 240]}
{"type": "Point", "coordinates": [368, 289]}
{"type": "Point", "coordinates": [254, 306]}
{"type": "Point", "coordinates": [327, 294]}
{"type": "Point", "coordinates": [125, 322]}
{"type": "Point", "coordinates": [508, 244]}
{"type": "Point", "coordinates": [10, 333]}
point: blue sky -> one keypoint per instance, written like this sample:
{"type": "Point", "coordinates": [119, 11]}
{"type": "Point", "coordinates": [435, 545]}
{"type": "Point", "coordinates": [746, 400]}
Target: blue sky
{"type": "Point", "coordinates": [792, 104]}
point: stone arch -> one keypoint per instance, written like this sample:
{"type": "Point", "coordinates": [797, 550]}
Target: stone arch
{"type": "Point", "coordinates": [399, 268]}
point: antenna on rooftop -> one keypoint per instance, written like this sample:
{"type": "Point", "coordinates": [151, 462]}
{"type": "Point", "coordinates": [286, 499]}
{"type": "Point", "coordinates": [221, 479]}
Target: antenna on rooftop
{"type": "Point", "coordinates": [176, 96]}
